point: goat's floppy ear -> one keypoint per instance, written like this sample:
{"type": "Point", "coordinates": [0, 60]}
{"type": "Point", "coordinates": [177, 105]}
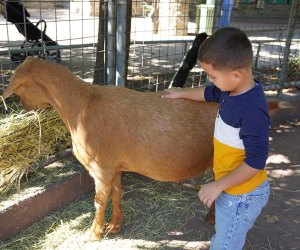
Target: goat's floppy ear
{"type": "Point", "coordinates": [16, 80]}
{"type": "Point", "coordinates": [8, 92]}
{"type": "Point", "coordinates": [10, 89]}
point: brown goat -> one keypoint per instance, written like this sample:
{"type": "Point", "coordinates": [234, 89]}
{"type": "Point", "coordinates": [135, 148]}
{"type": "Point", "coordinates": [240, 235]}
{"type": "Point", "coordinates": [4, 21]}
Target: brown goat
{"type": "Point", "coordinates": [116, 129]}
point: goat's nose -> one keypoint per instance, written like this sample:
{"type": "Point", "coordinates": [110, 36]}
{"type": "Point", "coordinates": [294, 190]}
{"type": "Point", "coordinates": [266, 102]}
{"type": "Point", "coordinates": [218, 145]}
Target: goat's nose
{"type": "Point", "coordinates": [25, 106]}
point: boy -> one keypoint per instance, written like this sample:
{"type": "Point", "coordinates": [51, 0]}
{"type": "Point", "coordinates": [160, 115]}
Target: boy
{"type": "Point", "coordinates": [240, 189]}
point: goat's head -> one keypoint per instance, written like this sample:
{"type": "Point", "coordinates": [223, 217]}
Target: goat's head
{"type": "Point", "coordinates": [26, 84]}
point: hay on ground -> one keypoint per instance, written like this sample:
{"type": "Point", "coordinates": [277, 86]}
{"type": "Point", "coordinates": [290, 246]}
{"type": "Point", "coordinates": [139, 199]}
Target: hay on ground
{"type": "Point", "coordinates": [26, 138]}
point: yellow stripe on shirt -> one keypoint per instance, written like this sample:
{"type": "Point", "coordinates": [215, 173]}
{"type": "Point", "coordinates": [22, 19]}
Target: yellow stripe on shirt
{"type": "Point", "coordinates": [226, 159]}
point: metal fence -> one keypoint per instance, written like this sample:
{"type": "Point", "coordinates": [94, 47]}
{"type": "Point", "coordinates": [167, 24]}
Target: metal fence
{"type": "Point", "coordinates": [140, 44]}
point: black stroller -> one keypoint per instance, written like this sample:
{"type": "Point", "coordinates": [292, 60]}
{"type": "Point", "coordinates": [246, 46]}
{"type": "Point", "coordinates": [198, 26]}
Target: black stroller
{"type": "Point", "coordinates": [16, 13]}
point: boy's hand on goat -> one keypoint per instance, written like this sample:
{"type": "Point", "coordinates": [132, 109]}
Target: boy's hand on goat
{"type": "Point", "coordinates": [172, 93]}
{"type": "Point", "coordinates": [194, 94]}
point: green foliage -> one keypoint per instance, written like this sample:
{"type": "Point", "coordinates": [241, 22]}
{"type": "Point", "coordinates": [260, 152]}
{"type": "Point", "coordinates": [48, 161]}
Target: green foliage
{"type": "Point", "coordinates": [293, 73]}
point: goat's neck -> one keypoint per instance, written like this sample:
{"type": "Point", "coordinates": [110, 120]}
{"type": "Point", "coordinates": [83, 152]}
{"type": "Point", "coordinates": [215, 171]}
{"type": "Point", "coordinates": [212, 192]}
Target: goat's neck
{"type": "Point", "coordinates": [69, 98]}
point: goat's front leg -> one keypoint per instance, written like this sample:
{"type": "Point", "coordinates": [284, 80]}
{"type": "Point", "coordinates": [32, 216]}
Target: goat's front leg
{"type": "Point", "coordinates": [117, 215]}
{"type": "Point", "coordinates": [103, 185]}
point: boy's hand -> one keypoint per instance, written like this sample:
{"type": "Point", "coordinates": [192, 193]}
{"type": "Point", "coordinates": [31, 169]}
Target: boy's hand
{"type": "Point", "coordinates": [172, 93]}
{"type": "Point", "coordinates": [209, 193]}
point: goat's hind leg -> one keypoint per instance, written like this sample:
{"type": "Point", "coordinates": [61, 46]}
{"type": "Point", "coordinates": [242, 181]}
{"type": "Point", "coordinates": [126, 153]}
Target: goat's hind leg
{"type": "Point", "coordinates": [210, 216]}
{"type": "Point", "coordinates": [117, 215]}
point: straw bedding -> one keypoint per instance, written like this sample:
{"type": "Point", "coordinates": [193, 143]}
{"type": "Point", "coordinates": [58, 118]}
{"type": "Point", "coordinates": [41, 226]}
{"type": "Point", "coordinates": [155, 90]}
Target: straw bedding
{"type": "Point", "coordinates": [25, 139]}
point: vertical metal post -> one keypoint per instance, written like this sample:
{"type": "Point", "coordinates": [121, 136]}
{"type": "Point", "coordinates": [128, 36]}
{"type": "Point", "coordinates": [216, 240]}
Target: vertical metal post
{"type": "Point", "coordinates": [100, 65]}
{"type": "Point", "coordinates": [257, 55]}
{"type": "Point", "coordinates": [121, 43]}
{"type": "Point", "coordinates": [110, 39]}
{"type": "Point", "coordinates": [288, 42]}
{"type": "Point", "coordinates": [217, 14]}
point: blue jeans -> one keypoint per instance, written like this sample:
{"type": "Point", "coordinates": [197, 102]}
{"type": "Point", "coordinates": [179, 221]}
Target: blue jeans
{"type": "Point", "coordinates": [235, 216]}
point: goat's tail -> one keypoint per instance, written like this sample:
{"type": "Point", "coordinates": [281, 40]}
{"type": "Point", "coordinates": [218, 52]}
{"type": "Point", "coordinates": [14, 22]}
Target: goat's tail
{"type": "Point", "coordinates": [188, 62]}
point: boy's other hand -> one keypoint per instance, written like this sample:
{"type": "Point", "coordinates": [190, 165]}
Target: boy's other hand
{"type": "Point", "coordinates": [172, 93]}
{"type": "Point", "coordinates": [209, 193]}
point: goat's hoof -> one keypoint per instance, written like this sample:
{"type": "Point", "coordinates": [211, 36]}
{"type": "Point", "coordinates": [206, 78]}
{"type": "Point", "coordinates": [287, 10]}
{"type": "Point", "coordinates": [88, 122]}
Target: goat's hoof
{"type": "Point", "coordinates": [113, 228]}
{"type": "Point", "coordinates": [210, 219]}
{"type": "Point", "coordinates": [90, 236]}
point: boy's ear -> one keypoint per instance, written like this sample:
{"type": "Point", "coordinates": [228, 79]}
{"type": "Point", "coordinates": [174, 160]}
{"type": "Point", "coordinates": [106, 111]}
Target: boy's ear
{"type": "Point", "coordinates": [236, 75]}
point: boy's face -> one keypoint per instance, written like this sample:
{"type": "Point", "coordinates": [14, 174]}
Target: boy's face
{"type": "Point", "coordinates": [226, 80]}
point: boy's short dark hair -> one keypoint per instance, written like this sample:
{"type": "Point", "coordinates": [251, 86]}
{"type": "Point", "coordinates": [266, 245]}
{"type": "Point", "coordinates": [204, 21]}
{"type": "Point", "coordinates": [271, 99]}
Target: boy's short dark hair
{"type": "Point", "coordinates": [227, 48]}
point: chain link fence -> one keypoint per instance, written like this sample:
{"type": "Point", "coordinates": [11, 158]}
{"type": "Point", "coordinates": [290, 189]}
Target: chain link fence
{"type": "Point", "coordinates": [141, 44]}
{"type": "Point", "coordinates": [265, 22]}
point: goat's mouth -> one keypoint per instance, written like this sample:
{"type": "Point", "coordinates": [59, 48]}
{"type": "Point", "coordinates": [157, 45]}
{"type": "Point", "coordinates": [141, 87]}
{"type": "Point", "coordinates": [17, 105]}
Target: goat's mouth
{"type": "Point", "coordinates": [30, 107]}
{"type": "Point", "coordinates": [48, 108]}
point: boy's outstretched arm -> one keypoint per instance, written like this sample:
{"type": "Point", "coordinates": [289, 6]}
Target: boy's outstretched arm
{"type": "Point", "coordinates": [195, 94]}
{"type": "Point", "coordinates": [211, 191]}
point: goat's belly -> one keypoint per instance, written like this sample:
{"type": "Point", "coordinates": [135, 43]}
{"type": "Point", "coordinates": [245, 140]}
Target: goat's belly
{"type": "Point", "coordinates": [168, 173]}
